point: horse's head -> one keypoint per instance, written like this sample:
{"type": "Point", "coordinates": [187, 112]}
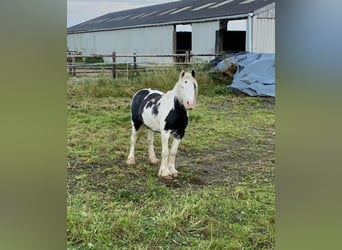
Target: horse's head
{"type": "Point", "coordinates": [187, 89]}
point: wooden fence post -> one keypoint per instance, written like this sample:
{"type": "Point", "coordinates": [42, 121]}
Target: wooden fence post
{"type": "Point", "coordinates": [73, 68]}
{"type": "Point", "coordinates": [69, 63]}
{"type": "Point", "coordinates": [187, 56]}
{"type": "Point", "coordinates": [114, 65]}
{"type": "Point", "coordinates": [135, 61]}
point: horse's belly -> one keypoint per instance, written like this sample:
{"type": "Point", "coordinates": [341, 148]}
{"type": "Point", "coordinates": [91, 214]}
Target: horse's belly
{"type": "Point", "coordinates": [151, 121]}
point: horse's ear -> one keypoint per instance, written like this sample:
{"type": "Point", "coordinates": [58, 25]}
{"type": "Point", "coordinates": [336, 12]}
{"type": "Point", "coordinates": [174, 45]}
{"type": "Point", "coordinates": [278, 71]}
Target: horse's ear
{"type": "Point", "coordinates": [193, 73]}
{"type": "Point", "coordinates": [182, 73]}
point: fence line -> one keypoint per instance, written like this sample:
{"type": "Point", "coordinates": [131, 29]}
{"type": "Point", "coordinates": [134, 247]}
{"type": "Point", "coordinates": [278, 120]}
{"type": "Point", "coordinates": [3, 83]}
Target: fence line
{"type": "Point", "coordinates": [86, 68]}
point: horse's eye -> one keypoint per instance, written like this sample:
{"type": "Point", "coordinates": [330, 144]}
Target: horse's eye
{"type": "Point", "coordinates": [194, 86]}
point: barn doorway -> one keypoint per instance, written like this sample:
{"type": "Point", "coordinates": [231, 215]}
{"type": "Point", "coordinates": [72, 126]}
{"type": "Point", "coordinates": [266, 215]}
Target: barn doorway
{"type": "Point", "coordinates": [231, 37]}
{"type": "Point", "coordinates": [182, 41]}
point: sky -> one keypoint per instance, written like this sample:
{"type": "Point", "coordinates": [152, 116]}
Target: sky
{"type": "Point", "coordinates": [79, 11]}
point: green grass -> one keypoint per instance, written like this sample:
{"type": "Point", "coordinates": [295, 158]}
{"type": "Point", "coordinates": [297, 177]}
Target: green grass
{"type": "Point", "coordinates": [224, 195]}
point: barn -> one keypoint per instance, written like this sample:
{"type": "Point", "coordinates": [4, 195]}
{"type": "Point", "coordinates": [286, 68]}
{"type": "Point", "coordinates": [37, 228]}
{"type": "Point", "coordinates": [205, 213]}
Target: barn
{"type": "Point", "coordinates": [199, 26]}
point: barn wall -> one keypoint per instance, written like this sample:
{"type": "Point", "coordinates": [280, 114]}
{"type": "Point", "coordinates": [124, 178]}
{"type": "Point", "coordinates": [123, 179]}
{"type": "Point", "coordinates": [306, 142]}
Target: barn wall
{"type": "Point", "coordinates": [204, 38]}
{"type": "Point", "coordinates": [264, 30]}
{"type": "Point", "coordinates": [151, 40]}
{"type": "Point", "coordinates": [85, 42]}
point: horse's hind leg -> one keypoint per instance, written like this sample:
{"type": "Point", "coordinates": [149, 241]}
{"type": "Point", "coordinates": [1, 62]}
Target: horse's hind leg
{"type": "Point", "coordinates": [134, 137]}
{"type": "Point", "coordinates": [151, 154]}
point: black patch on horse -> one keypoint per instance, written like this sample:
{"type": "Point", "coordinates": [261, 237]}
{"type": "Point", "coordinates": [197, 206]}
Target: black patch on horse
{"type": "Point", "coordinates": [151, 100]}
{"type": "Point", "coordinates": [142, 99]}
{"type": "Point", "coordinates": [136, 108]}
{"type": "Point", "coordinates": [177, 120]}
{"type": "Point", "coordinates": [155, 109]}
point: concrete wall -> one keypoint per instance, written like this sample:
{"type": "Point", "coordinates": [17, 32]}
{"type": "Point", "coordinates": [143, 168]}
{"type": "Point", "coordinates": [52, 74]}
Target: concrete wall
{"type": "Point", "coordinates": [151, 40]}
{"type": "Point", "coordinates": [264, 30]}
{"type": "Point", "coordinates": [264, 35]}
{"type": "Point", "coordinates": [204, 38]}
{"type": "Point", "coordinates": [84, 42]}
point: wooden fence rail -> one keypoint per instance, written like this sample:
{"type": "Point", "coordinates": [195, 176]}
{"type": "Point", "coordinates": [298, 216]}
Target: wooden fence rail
{"type": "Point", "coordinates": [83, 68]}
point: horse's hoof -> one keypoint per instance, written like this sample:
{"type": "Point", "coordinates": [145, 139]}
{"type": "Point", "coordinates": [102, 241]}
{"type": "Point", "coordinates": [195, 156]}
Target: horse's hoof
{"type": "Point", "coordinates": [154, 161]}
{"type": "Point", "coordinates": [173, 172]}
{"type": "Point", "coordinates": [130, 161]}
{"type": "Point", "coordinates": [167, 177]}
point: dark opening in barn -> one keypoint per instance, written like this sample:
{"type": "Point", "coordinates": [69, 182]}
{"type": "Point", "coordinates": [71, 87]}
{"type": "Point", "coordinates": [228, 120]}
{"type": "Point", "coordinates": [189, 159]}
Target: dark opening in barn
{"type": "Point", "coordinates": [182, 41]}
{"type": "Point", "coordinates": [231, 37]}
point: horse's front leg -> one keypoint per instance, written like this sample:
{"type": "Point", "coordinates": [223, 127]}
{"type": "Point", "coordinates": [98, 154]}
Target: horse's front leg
{"type": "Point", "coordinates": [172, 157]}
{"type": "Point", "coordinates": [164, 171]}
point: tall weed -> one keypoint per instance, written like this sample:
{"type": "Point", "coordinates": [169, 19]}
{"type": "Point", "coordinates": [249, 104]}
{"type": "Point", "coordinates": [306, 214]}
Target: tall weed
{"type": "Point", "coordinates": [162, 79]}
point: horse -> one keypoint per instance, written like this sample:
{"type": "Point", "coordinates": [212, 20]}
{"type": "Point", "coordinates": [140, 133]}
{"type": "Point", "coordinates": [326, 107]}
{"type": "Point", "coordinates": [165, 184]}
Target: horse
{"type": "Point", "coordinates": [166, 113]}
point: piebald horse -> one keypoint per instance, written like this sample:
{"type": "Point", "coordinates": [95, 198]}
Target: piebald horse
{"type": "Point", "coordinates": [166, 113]}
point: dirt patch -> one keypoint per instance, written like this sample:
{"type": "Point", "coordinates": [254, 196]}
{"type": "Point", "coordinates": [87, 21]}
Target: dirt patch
{"type": "Point", "coordinates": [217, 168]}
{"type": "Point", "coordinates": [212, 168]}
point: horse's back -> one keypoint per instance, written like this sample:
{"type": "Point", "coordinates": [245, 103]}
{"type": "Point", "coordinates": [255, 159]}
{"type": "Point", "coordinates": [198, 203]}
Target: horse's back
{"type": "Point", "coordinates": [142, 99]}
{"type": "Point", "coordinates": [145, 97]}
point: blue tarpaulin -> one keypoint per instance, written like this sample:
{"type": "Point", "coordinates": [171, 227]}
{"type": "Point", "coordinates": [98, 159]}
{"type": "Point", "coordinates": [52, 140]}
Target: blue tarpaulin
{"type": "Point", "coordinates": [255, 74]}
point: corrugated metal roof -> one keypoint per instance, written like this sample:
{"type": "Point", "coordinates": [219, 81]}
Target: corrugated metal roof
{"type": "Point", "coordinates": [173, 12]}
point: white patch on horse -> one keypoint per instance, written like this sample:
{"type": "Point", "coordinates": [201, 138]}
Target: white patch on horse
{"type": "Point", "coordinates": [165, 113]}
{"type": "Point", "coordinates": [151, 121]}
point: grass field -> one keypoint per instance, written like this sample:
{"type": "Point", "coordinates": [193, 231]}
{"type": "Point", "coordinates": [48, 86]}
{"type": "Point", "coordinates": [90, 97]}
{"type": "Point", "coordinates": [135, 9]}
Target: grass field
{"type": "Point", "coordinates": [223, 198]}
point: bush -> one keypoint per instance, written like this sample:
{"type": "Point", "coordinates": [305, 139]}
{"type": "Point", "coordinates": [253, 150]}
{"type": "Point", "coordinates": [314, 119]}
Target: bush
{"type": "Point", "coordinates": [93, 59]}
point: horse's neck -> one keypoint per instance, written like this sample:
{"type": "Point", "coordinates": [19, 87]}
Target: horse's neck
{"type": "Point", "coordinates": [169, 96]}
{"type": "Point", "coordinates": [175, 90]}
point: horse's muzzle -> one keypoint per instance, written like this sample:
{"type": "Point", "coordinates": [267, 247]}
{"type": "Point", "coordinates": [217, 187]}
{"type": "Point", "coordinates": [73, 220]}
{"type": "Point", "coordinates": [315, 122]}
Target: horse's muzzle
{"type": "Point", "coordinates": [189, 105]}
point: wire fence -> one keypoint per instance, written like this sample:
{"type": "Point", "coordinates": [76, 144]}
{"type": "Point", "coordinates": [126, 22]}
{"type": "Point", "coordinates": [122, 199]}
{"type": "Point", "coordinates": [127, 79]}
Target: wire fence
{"type": "Point", "coordinates": [95, 64]}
